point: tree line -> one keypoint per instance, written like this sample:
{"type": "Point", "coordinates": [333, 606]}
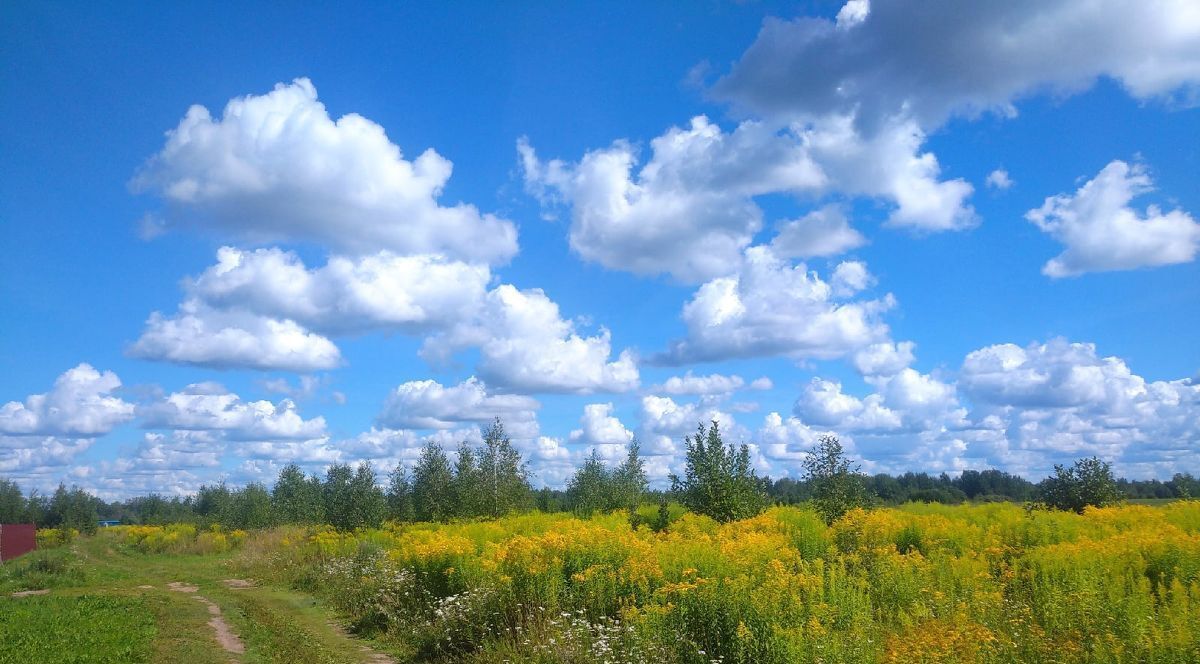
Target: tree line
{"type": "Point", "coordinates": [492, 479]}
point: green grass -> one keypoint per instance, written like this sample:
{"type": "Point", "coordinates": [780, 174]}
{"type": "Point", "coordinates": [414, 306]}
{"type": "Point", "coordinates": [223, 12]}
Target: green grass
{"type": "Point", "coordinates": [99, 611]}
{"type": "Point", "coordinates": [84, 628]}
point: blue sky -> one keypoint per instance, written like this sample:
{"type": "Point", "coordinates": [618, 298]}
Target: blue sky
{"type": "Point", "coordinates": [954, 244]}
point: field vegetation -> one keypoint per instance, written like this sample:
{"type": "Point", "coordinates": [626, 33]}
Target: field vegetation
{"type": "Point", "coordinates": [452, 561]}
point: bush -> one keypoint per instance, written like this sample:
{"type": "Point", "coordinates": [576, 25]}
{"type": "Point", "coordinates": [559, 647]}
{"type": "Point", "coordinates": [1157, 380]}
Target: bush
{"type": "Point", "coordinates": [1089, 482]}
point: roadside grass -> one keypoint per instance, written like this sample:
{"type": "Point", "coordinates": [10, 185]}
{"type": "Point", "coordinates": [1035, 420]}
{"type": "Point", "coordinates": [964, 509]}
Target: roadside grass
{"type": "Point", "coordinates": [50, 568]}
{"type": "Point", "coordinates": [100, 610]}
{"type": "Point", "coordinates": [86, 628]}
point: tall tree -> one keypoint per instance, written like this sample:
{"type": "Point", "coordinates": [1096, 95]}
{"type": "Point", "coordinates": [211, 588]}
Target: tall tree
{"type": "Point", "coordinates": [630, 478]}
{"type": "Point", "coordinates": [296, 498]}
{"type": "Point", "coordinates": [339, 496]}
{"type": "Point", "coordinates": [399, 495]}
{"type": "Point", "coordinates": [504, 475]}
{"type": "Point", "coordinates": [433, 485]}
{"type": "Point", "coordinates": [368, 502]}
{"type": "Point", "coordinates": [719, 480]}
{"type": "Point", "coordinates": [837, 484]}
{"type": "Point", "coordinates": [12, 503]}
{"type": "Point", "coordinates": [249, 507]}
{"type": "Point", "coordinates": [590, 489]}
{"type": "Point", "coordinates": [469, 489]}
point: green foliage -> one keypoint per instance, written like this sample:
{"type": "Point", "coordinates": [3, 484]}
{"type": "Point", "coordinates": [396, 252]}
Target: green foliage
{"type": "Point", "coordinates": [433, 485]}
{"type": "Point", "coordinates": [503, 476]}
{"type": "Point", "coordinates": [719, 481]}
{"type": "Point", "coordinates": [837, 485]}
{"type": "Point", "coordinates": [1089, 482]}
{"type": "Point", "coordinates": [595, 488]}
{"type": "Point", "coordinates": [399, 495]}
{"type": "Point", "coordinates": [297, 499]}
{"type": "Point", "coordinates": [249, 507]}
{"type": "Point", "coordinates": [72, 508]}
{"type": "Point", "coordinates": [12, 503]}
{"type": "Point", "coordinates": [352, 500]}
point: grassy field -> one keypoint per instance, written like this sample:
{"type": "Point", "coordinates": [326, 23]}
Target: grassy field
{"type": "Point", "coordinates": [919, 583]}
{"type": "Point", "coordinates": [110, 602]}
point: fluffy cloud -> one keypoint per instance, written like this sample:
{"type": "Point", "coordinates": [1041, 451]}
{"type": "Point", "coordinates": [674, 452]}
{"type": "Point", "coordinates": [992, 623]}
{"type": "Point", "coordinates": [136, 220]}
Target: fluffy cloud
{"type": "Point", "coordinates": [884, 359]}
{"type": "Point", "coordinates": [602, 431]}
{"type": "Point", "coordinates": [277, 167]}
{"type": "Point", "coordinates": [823, 403]}
{"type": "Point", "coordinates": [1055, 374]}
{"type": "Point", "coordinates": [410, 294]}
{"type": "Point", "coordinates": [525, 345]}
{"type": "Point", "coordinates": [773, 308]}
{"type": "Point", "coordinates": [201, 335]}
{"type": "Point", "coordinates": [888, 163]}
{"type": "Point", "coordinates": [664, 422]}
{"type": "Point", "coordinates": [179, 450]}
{"type": "Point", "coordinates": [81, 403]}
{"type": "Point", "coordinates": [822, 232]}
{"type": "Point", "coordinates": [999, 179]}
{"type": "Point", "coordinates": [717, 385]}
{"type": "Point", "coordinates": [209, 407]}
{"type": "Point", "coordinates": [1102, 232]}
{"type": "Point", "coordinates": [929, 60]}
{"type": "Point", "coordinates": [688, 211]}
{"type": "Point", "coordinates": [426, 404]}
{"type": "Point", "coordinates": [39, 457]}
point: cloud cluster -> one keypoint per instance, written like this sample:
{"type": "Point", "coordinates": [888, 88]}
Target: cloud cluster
{"type": "Point", "coordinates": [81, 403]}
{"type": "Point", "coordinates": [930, 60]}
{"type": "Point", "coordinates": [278, 168]}
{"type": "Point", "coordinates": [1101, 232]}
{"type": "Point", "coordinates": [210, 407]}
{"type": "Point", "coordinates": [426, 404]}
{"type": "Point", "coordinates": [771, 308]}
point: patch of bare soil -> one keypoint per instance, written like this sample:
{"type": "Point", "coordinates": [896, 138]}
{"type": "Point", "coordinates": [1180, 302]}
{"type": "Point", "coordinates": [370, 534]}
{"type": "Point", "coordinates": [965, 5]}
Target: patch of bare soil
{"type": "Point", "coordinates": [237, 584]}
{"type": "Point", "coordinates": [27, 593]}
{"type": "Point", "coordinates": [225, 636]}
{"type": "Point", "coordinates": [221, 629]}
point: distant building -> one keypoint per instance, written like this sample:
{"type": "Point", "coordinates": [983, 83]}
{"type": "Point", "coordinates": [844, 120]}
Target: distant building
{"type": "Point", "coordinates": [17, 539]}
{"type": "Point", "coordinates": [109, 522]}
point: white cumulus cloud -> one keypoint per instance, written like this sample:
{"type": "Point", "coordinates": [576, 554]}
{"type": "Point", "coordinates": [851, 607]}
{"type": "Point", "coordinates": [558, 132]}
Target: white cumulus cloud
{"type": "Point", "coordinates": [1101, 232]}
{"type": "Point", "coordinates": [81, 403]}
{"type": "Point", "coordinates": [276, 167]}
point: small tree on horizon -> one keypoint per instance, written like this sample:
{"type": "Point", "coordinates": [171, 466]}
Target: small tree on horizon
{"type": "Point", "coordinates": [837, 484]}
{"type": "Point", "coordinates": [1089, 482]}
{"type": "Point", "coordinates": [718, 481]}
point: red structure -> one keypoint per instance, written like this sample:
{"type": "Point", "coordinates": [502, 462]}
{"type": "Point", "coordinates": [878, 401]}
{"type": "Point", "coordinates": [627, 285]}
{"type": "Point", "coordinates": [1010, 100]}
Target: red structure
{"type": "Point", "coordinates": [17, 539]}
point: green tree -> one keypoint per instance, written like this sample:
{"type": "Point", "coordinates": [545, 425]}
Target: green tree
{"type": "Point", "coordinates": [368, 504]}
{"type": "Point", "coordinates": [399, 495]}
{"type": "Point", "coordinates": [249, 507]}
{"type": "Point", "coordinates": [504, 476]}
{"type": "Point", "coordinates": [294, 498]}
{"type": "Point", "coordinates": [339, 496]}
{"type": "Point", "coordinates": [1088, 482]}
{"type": "Point", "coordinates": [630, 479]}
{"type": "Point", "coordinates": [718, 480]}
{"type": "Point", "coordinates": [836, 483]}
{"type": "Point", "coordinates": [433, 485]}
{"type": "Point", "coordinates": [590, 489]}
{"type": "Point", "coordinates": [12, 503]}
{"type": "Point", "coordinates": [73, 508]}
{"type": "Point", "coordinates": [212, 502]}
{"type": "Point", "coordinates": [468, 486]}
